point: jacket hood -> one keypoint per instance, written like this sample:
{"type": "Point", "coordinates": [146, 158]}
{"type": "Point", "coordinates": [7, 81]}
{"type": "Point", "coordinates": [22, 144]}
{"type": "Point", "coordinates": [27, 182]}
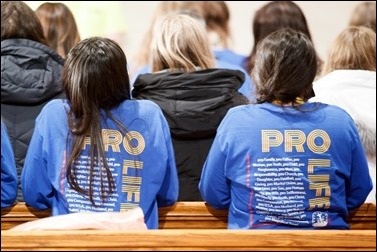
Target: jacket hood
{"type": "Point", "coordinates": [193, 103]}
{"type": "Point", "coordinates": [30, 72]}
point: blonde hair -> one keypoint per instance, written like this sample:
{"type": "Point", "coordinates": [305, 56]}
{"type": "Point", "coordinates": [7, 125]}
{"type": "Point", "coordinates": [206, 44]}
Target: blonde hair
{"type": "Point", "coordinates": [364, 15]}
{"type": "Point", "coordinates": [180, 42]}
{"type": "Point", "coordinates": [354, 48]}
{"type": "Point", "coordinates": [165, 7]}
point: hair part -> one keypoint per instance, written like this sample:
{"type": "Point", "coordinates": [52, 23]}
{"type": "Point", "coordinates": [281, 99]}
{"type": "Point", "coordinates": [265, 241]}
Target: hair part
{"type": "Point", "coordinates": [94, 78]}
{"type": "Point", "coordinates": [180, 42]}
{"type": "Point", "coordinates": [285, 67]}
{"type": "Point", "coordinates": [354, 48]}
{"type": "Point", "coordinates": [18, 21]}
{"type": "Point", "coordinates": [59, 26]}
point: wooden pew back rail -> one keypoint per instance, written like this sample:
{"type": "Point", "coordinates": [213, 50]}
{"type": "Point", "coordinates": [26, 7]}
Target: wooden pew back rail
{"type": "Point", "coordinates": [188, 239]}
{"type": "Point", "coordinates": [184, 215]}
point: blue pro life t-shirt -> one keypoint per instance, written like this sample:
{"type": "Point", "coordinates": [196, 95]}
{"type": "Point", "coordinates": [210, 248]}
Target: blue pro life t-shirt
{"type": "Point", "coordinates": [281, 167]}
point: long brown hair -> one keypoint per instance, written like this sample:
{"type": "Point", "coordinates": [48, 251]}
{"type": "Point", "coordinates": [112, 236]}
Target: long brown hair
{"type": "Point", "coordinates": [18, 21]}
{"type": "Point", "coordinates": [272, 17]}
{"type": "Point", "coordinates": [95, 78]}
{"type": "Point", "coordinates": [59, 27]}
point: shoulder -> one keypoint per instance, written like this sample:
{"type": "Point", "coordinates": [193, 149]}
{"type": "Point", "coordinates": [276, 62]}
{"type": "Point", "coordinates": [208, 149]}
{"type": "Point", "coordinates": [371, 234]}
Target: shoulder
{"type": "Point", "coordinates": [238, 113]}
{"type": "Point", "coordinates": [332, 111]}
{"type": "Point", "coordinates": [55, 105]}
{"type": "Point", "coordinates": [142, 108]}
{"type": "Point", "coordinates": [145, 105]}
{"type": "Point", "coordinates": [54, 109]}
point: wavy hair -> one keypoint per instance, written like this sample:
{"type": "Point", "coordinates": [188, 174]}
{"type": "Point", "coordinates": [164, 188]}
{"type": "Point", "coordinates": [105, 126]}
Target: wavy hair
{"type": "Point", "coordinates": [142, 56]}
{"type": "Point", "coordinates": [180, 42]}
{"type": "Point", "coordinates": [354, 48]}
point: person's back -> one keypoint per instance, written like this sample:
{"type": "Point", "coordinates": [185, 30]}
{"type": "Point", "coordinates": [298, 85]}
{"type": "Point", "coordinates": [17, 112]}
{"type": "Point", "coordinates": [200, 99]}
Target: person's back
{"type": "Point", "coordinates": [349, 81]}
{"type": "Point", "coordinates": [284, 162]}
{"type": "Point", "coordinates": [30, 75]}
{"type": "Point", "coordinates": [99, 150]}
{"type": "Point", "coordinates": [193, 95]}
{"type": "Point", "coordinates": [8, 170]}
{"type": "Point", "coordinates": [59, 27]}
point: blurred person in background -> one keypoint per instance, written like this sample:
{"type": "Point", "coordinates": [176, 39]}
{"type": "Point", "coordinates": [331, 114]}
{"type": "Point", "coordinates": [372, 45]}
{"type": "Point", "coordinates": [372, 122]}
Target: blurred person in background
{"type": "Point", "coordinates": [30, 75]}
{"type": "Point", "coordinates": [59, 27]}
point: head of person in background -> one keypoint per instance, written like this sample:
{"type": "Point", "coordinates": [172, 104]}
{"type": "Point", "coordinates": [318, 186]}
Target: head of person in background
{"type": "Point", "coordinates": [142, 55]}
{"type": "Point", "coordinates": [59, 27]}
{"type": "Point", "coordinates": [18, 21]}
{"type": "Point", "coordinates": [273, 16]}
{"type": "Point", "coordinates": [353, 49]}
{"type": "Point", "coordinates": [216, 15]}
{"type": "Point", "coordinates": [364, 15]}
{"type": "Point", "coordinates": [188, 48]}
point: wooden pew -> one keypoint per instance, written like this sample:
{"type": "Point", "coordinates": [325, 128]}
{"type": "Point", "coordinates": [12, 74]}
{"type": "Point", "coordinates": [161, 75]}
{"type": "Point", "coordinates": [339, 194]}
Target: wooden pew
{"type": "Point", "coordinates": [189, 239]}
{"type": "Point", "coordinates": [198, 215]}
{"type": "Point", "coordinates": [184, 215]}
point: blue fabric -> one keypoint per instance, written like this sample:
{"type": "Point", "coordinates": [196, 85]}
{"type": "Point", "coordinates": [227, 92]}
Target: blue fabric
{"type": "Point", "coordinates": [8, 170]}
{"type": "Point", "coordinates": [230, 57]}
{"type": "Point", "coordinates": [144, 171]}
{"type": "Point", "coordinates": [277, 167]}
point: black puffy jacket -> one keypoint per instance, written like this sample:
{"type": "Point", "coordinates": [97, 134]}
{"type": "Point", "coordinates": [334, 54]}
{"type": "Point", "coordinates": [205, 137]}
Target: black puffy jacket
{"type": "Point", "coordinates": [194, 104]}
{"type": "Point", "coordinates": [30, 77]}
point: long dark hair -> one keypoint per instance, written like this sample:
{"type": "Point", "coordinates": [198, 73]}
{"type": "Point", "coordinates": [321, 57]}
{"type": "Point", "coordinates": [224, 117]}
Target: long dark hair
{"type": "Point", "coordinates": [272, 17]}
{"type": "Point", "coordinates": [285, 67]}
{"type": "Point", "coordinates": [18, 21]}
{"type": "Point", "coordinates": [95, 78]}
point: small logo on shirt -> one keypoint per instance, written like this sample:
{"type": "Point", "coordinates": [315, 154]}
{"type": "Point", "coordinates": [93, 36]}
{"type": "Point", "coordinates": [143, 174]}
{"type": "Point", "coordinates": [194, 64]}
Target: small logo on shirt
{"type": "Point", "coordinates": [320, 219]}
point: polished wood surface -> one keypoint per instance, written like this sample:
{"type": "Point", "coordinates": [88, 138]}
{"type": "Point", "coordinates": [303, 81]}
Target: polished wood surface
{"type": "Point", "coordinates": [188, 239]}
{"type": "Point", "coordinates": [184, 215]}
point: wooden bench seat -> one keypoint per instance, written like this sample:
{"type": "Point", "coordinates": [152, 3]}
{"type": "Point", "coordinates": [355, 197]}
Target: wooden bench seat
{"type": "Point", "coordinates": [184, 215]}
{"type": "Point", "coordinates": [189, 239]}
